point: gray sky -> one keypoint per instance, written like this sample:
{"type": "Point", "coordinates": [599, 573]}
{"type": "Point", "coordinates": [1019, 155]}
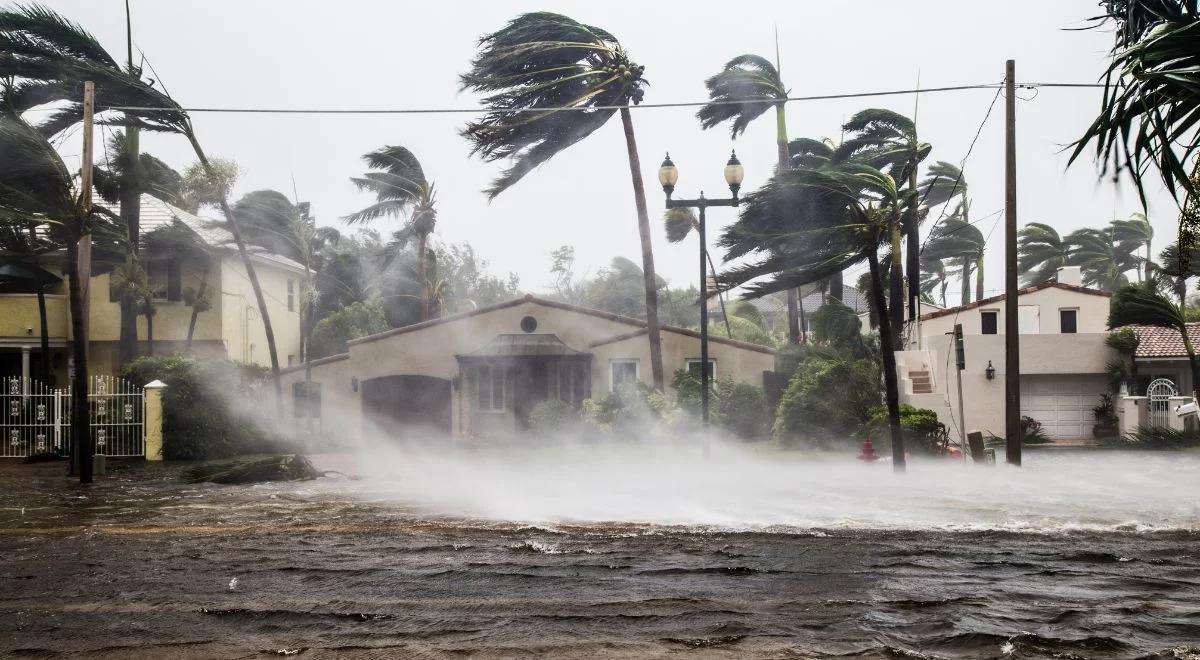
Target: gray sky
{"type": "Point", "coordinates": [369, 54]}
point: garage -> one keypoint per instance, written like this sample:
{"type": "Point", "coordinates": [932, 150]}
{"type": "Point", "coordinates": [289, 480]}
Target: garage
{"type": "Point", "coordinates": [1063, 403]}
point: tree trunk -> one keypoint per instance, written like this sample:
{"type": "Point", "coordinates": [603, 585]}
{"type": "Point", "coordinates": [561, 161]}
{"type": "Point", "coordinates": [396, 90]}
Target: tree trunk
{"type": "Point", "coordinates": [720, 296]}
{"type": "Point", "coordinates": [251, 274]}
{"type": "Point", "coordinates": [130, 212]}
{"type": "Point", "coordinates": [914, 247]}
{"type": "Point", "coordinates": [837, 287]}
{"type": "Point", "coordinates": [150, 327]}
{"type": "Point", "coordinates": [887, 348]}
{"type": "Point", "coordinates": [1194, 363]}
{"type": "Point", "coordinates": [979, 277]}
{"type": "Point", "coordinates": [196, 308]}
{"type": "Point", "coordinates": [784, 163]}
{"type": "Point", "coordinates": [81, 433]}
{"type": "Point", "coordinates": [639, 198]}
{"type": "Point", "coordinates": [966, 281]}
{"type": "Point", "coordinates": [803, 320]}
{"type": "Point", "coordinates": [896, 280]}
{"type": "Point", "coordinates": [44, 358]}
{"type": "Point", "coordinates": [422, 276]}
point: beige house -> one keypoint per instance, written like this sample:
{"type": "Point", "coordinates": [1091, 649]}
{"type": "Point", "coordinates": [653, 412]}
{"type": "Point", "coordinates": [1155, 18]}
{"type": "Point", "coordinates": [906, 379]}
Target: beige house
{"type": "Point", "coordinates": [231, 328]}
{"type": "Point", "coordinates": [480, 373]}
{"type": "Point", "coordinates": [1063, 327]}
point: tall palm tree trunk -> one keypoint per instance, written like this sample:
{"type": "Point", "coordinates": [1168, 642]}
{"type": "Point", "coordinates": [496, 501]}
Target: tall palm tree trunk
{"type": "Point", "coordinates": [639, 198]}
{"type": "Point", "coordinates": [712, 268]}
{"type": "Point", "coordinates": [150, 327]}
{"type": "Point", "coordinates": [130, 213]}
{"type": "Point", "coordinates": [896, 280]}
{"type": "Point", "coordinates": [890, 386]}
{"type": "Point", "coordinates": [837, 287]}
{"type": "Point", "coordinates": [783, 164]}
{"type": "Point", "coordinates": [196, 308]}
{"type": "Point", "coordinates": [1193, 362]}
{"type": "Point", "coordinates": [979, 278]}
{"type": "Point", "coordinates": [44, 358]}
{"type": "Point", "coordinates": [914, 248]}
{"type": "Point", "coordinates": [966, 281]}
{"type": "Point", "coordinates": [251, 273]}
{"type": "Point", "coordinates": [422, 238]}
{"type": "Point", "coordinates": [81, 437]}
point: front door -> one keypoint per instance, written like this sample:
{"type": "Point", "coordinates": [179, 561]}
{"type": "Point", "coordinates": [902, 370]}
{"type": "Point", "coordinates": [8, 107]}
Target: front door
{"type": "Point", "coordinates": [529, 389]}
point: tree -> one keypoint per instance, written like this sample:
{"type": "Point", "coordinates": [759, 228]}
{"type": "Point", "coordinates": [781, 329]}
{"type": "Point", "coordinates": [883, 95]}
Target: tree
{"type": "Point", "coordinates": [935, 278]}
{"type": "Point", "coordinates": [203, 186]}
{"type": "Point", "coordinates": [1132, 235]}
{"type": "Point", "coordinates": [745, 88]}
{"type": "Point", "coordinates": [540, 61]}
{"type": "Point", "coordinates": [360, 319]}
{"type": "Point", "coordinates": [468, 284]}
{"type": "Point", "coordinates": [401, 190]}
{"type": "Point", "coordinates": [888, 141]}
{"type": "Point", "coordinates": [960, 242]}
{"type": "Point", "coordinates": [1143, 304]}
{"type": "Point", "coordinates": [850, 207]}
{"type": "Point", "coordinates": [1174, 271]}
{"type": "Point", "coordinates": [1040, 253]}
{"type": "Point", "coordinates": [1102, 260]}
{"type": "Point", "coordinates": [679, 223]}
{"type": "Point", "coordinates": [23, 246]}
{"type": "Point", "coordinates": [1147, 116]}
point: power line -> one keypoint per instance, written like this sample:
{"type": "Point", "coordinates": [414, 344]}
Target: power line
{"type": "Point", "coordinates": [582, 108]}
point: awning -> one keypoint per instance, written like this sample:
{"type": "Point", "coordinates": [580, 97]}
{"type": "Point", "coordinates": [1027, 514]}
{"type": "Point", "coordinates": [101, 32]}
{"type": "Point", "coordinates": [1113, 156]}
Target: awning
{"type": "Point", "coordinates": [515, 346]}
{"type": "Point", "coordinates": [16, 270]}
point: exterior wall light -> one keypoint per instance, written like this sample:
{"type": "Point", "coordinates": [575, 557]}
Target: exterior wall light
{"type": "Point", "coordinates": [990, 372]}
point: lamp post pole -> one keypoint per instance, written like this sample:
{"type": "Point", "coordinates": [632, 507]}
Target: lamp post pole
{"type": "Point", "coordinates": [668, 175]}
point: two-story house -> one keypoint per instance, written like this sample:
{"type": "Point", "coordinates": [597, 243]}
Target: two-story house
{"type": "Point", "coordinates": [232, 326]}
{"type": "Point", "coordinates": [1063, 327]}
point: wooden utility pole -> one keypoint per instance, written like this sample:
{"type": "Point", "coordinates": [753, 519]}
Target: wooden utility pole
{"type": "Point", "coordinates": [1012, 328]}
{"type": "Point", "coordinates": [81, 439]}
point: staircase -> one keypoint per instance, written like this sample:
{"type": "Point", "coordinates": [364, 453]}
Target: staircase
{"type": "Point", "coordinates": [921, 382]}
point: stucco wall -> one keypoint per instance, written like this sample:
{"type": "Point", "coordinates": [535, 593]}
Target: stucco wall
{"type": "Point", "coordinates": [1092, 316]}
{"type": "Point", "coordinates": [743, 365]}
{"type": "Point", "coordinates": [19, 319]}
{"type": "Point", "coordinates": [242, 327]}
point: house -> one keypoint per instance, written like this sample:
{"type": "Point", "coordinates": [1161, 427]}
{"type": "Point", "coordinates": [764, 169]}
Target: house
{"type": "Point", "coordinates": [1161, 355]}
{"type": "Point", "coordinates": [231, 328]}
{"type": "Point", "coordinates": [1063, 328]}
{"type": "Point", "coordinates": [481, 372]}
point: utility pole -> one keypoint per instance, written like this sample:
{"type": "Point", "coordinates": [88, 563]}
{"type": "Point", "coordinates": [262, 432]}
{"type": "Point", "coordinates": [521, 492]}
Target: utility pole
{"type": "Point", "coordinates": [1012, 328]}
{"type": "Point", "coordinates": [960, 363]}
{"type": "Point", "coordinates": [82, 441]}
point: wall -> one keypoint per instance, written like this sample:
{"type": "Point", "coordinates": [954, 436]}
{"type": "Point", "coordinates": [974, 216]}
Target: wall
{"type": "Point", "coordinates": [239, 311]}
{"type": "Point", "coordinates": [1092, 317]}
{"type": "Point", "coordinates": [19, 318]}
{"type": "Point", "coordinates": [742, 364]}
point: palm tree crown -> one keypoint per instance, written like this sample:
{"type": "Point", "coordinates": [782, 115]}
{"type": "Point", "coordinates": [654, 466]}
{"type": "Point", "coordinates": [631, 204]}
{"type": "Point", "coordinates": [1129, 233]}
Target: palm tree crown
{"type": "Point", "coordinates": [748, 86]}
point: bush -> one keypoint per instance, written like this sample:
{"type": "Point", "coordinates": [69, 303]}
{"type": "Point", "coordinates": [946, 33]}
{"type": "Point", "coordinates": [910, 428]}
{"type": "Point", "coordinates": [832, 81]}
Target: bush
{"type": "Point", "coordinates": [1032, 432]}
{"type": "Point", "coordinates": [739, 408]}
{"type": "Point", "coordinates": [331, 333]}
{"type": "Point", "coordinates": [632, 410]}
{"type": "Point", "coordinates": [827, 401]}
{"type": "Point", "coordinates": [552, 416]}
{"type": "Point", "coordinates": [922, 430]}
{"type": "Point", "coordinates": [1157, 437]}
{"type": "Point", "coordinates": [200, 421]}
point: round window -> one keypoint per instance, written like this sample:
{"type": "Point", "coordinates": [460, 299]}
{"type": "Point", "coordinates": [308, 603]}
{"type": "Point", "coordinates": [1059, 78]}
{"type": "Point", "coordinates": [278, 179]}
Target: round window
{"type": "Point", "coordinates": [529, 324]}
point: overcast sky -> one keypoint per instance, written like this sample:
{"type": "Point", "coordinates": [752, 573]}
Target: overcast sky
{"type": "Point", "coordinates": [373, 54]}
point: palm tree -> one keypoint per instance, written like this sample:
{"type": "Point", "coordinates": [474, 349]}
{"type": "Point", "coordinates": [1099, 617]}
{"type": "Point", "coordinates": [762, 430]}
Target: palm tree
{"type": "Point", "coordinates": [1147, 117]}
{"type": "Point", "coordinates": [958, 241]}
{"type": "Point", "coordinates": [1143, 304]}
{"type": "Point", "coordinates": [1040, 253]}
{"type": "Point", "coordinates": [1133, 234]}
{"type": "Point", "coordinates": [401, 190]}
{"type": "Point", "coordinates": [541, 61]}
{"type": "Point", "coordinates": [679, 223]}
{"type": "Point", "coordinates": [177, 241]}
{"type": "Point", "coordinates": [852, 208]}
{"type": "Point", "coordinates": [1174, 271]}
{"type": "Point", "coordinates": [743, 91]}
{"type": "Point", "coordinates": [123, 182]}
{"type": "Point", "coordinates": [1102, 260]}
{"type": "Point", "coordinates": [23, 246]}
{"type": "Point", "coordinates": [888, 140]}
{"type": "Point", "coordinates": [935, 278]}
{"type": "Point", "coordinates": [52, 57]}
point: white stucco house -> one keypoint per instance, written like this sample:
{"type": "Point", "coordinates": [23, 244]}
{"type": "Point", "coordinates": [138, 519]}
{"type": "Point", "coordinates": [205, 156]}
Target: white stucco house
{"type": "Point", "coordinates": [1063, 327]}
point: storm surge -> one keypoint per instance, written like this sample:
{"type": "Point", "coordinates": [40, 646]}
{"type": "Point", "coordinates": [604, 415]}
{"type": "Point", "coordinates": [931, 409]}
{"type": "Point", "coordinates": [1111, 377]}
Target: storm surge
{"type": "Point", "coordinates": [744, 489]}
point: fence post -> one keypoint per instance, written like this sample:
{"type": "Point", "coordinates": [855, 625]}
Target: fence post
{"type": "Point", "coordinates": [154, 420]}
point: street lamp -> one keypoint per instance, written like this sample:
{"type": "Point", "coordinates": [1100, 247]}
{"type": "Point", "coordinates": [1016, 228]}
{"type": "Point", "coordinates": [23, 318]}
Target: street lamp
{"type": "Point", "coordinates": [668, 176]}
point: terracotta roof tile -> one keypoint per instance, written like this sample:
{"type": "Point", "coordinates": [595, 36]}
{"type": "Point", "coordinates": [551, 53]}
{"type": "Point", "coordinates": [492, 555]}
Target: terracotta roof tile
{"type": "Point", "coordinates": [1156, 342]}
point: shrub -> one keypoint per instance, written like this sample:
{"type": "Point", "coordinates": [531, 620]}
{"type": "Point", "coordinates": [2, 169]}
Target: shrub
{"type": "Point", "coordinates": [739, 408]}
{"type": "Point", "coordinates": [1157, 437]}
{"type": "Point", "coordinates": [922, 430]}
{"type": "Point", "coordinates": [1032, 432]}
{"type": "Point", "coordinates": [200, 418]}
{"type": "Point", "coordinates": [827, 401]}
{"type": "Point", "coordinates": [360, 319]}
{"type": "Point", "coordinates": [631, 410]}
{"type": "Point", "coordinates": [552, 416]}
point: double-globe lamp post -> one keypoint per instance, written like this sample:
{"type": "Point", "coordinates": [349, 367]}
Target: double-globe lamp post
{"type": "Point", "coordinates": [668, 176]}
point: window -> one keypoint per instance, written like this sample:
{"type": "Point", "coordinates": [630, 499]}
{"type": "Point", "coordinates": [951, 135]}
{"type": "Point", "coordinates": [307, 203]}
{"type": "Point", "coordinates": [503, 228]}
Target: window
{"type": "Point", "coordinates": [624, 372]}
{"type": "Point", "coordinates": [1068, 321]}
{"type": "Point", "coordinates": [165, 279]}
{"type": "Point", "coordinates": [302, 403]}
{"type": "Point", "coordinates": [489, 383]}
{"type": "Point", "coordinates": [693, 367]}
{"type": "Point", "coordinates": [291, 295]}
{"type": "Point", "coordinates": [291, 360]}
{"type": "Point", "coordinates": [989, 322]}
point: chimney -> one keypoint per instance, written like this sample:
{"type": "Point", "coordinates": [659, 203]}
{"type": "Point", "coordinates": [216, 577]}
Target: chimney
{"type": "Point", "coordinates": [1070, 275]}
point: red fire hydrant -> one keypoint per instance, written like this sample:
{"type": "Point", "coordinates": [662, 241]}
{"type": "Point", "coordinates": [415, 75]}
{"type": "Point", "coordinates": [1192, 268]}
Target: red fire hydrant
{"type": "Point", "coordinates": [868, 452]}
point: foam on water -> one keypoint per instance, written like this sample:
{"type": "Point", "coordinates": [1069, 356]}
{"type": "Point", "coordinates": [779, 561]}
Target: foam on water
{"type": "Point", "coordinates": [754, 490]}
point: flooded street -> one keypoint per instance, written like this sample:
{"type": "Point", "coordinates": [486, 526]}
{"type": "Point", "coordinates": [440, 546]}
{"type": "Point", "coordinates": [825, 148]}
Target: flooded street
{"type": "Point", "coordinates": [141, 565]}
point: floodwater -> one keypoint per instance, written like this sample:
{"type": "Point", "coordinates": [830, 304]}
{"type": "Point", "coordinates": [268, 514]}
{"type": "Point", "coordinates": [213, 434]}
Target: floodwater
{"type": "Point", "coordinates": [588, 553]}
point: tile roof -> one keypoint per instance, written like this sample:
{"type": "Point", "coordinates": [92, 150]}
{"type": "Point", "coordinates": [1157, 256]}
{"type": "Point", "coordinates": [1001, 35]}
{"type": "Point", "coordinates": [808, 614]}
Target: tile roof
{"type": "Point", "coordinates": [1156, 342]}
{"type": "Point", "coordinates": [1020, 292]}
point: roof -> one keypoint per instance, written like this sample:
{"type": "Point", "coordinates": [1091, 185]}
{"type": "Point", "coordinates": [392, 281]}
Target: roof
{"type": "Point", "coordinates": [635, 323]}
{"type": "Point", "coordinates": [1020, 292]}
{"type": "Point", "coordinates": [852, 297]}
{"type": "Point", "coordinates": [157, 214]}
{"type": "Point", "coordinates": [542, 345]}
{"type": "Point", "coordinates": [1156, 342]}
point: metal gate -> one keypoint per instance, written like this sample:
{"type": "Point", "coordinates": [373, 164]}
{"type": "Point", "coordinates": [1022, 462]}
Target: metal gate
{"type": "Point", "coordinates": [36, 418]}
{"type": "Point", "coordinates": [1159, 394]}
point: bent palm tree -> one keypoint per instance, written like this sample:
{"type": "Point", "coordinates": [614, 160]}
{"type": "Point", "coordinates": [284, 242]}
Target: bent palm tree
{"type": "Point", "coordinates": [960, 242]}
{"type": "Point", "coordinates": [1102, 260]}
{"type": "Point", "coordinates": [679, 223]}
{"type": "Point", "coordinates": [540, 61]}
{"type": "Point", "coordinates": [1143, 304]}
{"type": "Point", "coordinates": [1133, 234]}
{"type": "Point", "coordinates": [1175, 271]}
{"type": "Point", "coordinates": [401, 189]}
{"type": "Point", "coordinates": [1040, 253]}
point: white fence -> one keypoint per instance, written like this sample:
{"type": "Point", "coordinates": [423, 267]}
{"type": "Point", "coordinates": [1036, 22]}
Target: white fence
{"type": "Point", "coordinates": [36, 418]}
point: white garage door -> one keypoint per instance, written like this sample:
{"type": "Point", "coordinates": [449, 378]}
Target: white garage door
{"type": "Point", "coordinates": [1063, 404]}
